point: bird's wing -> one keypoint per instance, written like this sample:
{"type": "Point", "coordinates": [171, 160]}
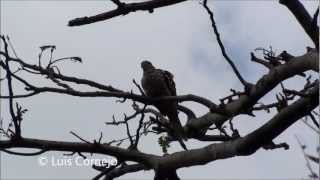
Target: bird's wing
{"type": "Point", "coordinates": [168, 77]}
{"type": "Point", "coordinates": [144, 84]}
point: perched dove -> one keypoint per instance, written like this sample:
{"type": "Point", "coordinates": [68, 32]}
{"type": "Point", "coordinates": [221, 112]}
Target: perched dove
{"type": "Point", "coordinates": [158, 83]}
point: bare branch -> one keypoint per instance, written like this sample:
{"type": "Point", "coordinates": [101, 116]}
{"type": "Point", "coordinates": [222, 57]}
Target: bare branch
{"type": "Point", "coordinates": [73, 133]}
{"type": "Point", "coordinates": [310, 126]}
{"type": "Point", "coordinates": [225, 55]}
{"type": "Point", "coordinates": [240, 146]}
{"type": "Point", "coordinates": [109, 91]}
{"type": "Point", "coordinates": [125, 169]}
{"type": "Point", "coordinates": [24, 154]}
{"type": "Point", "coordinates": [306, 157]}
{"type": "Point", "coordinates": [299, 64]}
{"type": "Point", "coordinates": [19, 96]}
{"type": "Point", "coordinates": [260, 61]}
{"type": "Point", "coordinates": [118, 3]}
{"type": "Point", "coordinates": [313, 158]}
{"type": "Point", "coordinates": [48, 72]}
{"type": "Point", "coordinates": [123, 9]}
{"type": "Point", "coordinates": [10, 89]}
{"type": "Point", "coordinates": [128, 130]}
{"type": "Point", "coordinates": [138, 86]}
{"type": "Point", "coordinates": [83, 147]}
{"type": "Point", "coordinates": [187, 111]}
{"type": "Point", "coordinates": [248, 144]}
{"type": "Point", "coordinates": [304, 18]}
{"type": "Point", "coordinates": [139, 128]}
{"type": "Point", "coordinates": [214, 138]}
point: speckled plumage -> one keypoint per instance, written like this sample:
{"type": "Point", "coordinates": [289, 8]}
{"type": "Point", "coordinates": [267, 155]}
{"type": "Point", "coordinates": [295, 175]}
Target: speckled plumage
{"type": "Point", "coordinates": [158, 83]}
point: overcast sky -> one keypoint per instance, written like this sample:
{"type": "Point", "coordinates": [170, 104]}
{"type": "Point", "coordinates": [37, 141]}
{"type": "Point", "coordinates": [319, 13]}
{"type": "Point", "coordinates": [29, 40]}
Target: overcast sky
{"type": "Point", "coordinates": [177, 38]}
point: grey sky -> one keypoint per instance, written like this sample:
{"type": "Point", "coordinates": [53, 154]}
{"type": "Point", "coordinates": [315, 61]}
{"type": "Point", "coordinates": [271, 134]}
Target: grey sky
{"type": "Point", "coordinates": [177, 38]}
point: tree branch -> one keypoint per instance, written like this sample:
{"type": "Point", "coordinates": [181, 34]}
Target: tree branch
{"type": "Point", "coordinates": [304, 18]}
{"type": "Point", "coordinates": [117, 172]}
{"type": "Point", "coordinates": [299, 64]}
{"type": "Point", "coordinates": [123, 9]}
{"type": "Point", "coordinates": [250, 143]}
{"type": "Point", "coordinates": [5, 65]}
{"type": "Point", "coordinates": [224, 53]}
{"type": "Point", "coordinates": [120, 153]}
{"type": "Point", "coordinates": [108, 91]}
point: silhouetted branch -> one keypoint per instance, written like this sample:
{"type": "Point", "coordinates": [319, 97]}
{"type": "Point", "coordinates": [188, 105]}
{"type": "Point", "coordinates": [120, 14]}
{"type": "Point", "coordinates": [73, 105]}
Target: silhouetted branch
{"type": "Point", "coordinates": [125, 169]}
{"type": "Point", "coordinates": [260, 61]}
{"type": "Point", "coordinates": [314, 120]}
{"type": "Point", "coordinates": [313, 158]}
{"type": "Point", "coordinates": [136, 141]}
{"type": "Point", "coordinates": [83, 147]}
{"type": "Point", "coordinates": [73, 133]}
{"type": "Point", "coordinates": [225, 55]}
{"type": "Point", "coordinates": [187, 111]}
{"type": "Point", "coordinates": [123, 9]}
{"type": "Point", "coordinates": [299, 64]}
{"type": "Point", "coordinates": [24, 154]}
{"type": "Point", "coordinates": [306, 157]}
{"type": "Point", "coordinates": [304, 18]}
{"type": "Point", "coordinates": [214, 138]}
{"type": "Point", "coordinates": [305, 121]}
{"type": "Point", "coordinates": [5, 65]}
{"type": "Point", "coordinates": [108, 91]}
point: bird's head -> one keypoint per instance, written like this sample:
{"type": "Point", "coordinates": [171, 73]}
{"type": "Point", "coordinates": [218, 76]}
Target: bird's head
{"type": "Point", "coordinates": [146, 65]}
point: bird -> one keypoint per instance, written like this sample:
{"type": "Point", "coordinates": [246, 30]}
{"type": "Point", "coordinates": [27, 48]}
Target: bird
{"type": "Point", "coordinates": [158, 83]}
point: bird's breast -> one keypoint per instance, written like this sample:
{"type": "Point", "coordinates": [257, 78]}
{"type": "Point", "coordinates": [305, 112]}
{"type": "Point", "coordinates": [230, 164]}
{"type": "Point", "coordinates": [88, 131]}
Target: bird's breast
{"type": "Point", "coordinates": [154, 86]}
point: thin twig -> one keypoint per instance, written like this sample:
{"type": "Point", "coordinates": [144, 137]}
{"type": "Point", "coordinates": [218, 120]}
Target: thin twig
{"type": "Point", "coordinates": [10, 88]}
{"type": "Point", "coordinates": [71, 132]}
{"type": "Point", "coordinates": [305, 156]}
{"type": "Point", "coordinates": [225, 55]}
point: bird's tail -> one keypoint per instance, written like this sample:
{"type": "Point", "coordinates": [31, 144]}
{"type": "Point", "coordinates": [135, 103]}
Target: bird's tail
{"type": "Point", "coordinates": [178, 131]}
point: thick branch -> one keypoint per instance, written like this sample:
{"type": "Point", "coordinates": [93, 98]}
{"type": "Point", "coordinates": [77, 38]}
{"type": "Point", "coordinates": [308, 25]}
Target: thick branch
{"type": "Point", "coordinates": [120, 153]}
{"type": "Point", "coordinates": [299, 64]}
{"type": "Point", "coordinates": [304, 18]}
{"type": "Point", "coordinates": [213, 138]}
{"type": "Point", "coordinates": [123, 9]}
{"type": "Point", "coordinates": [250, 143]}
{"type": "Point", "coordinates": [117, 172]}
{"type": "Point", "coordinates": [280, 122]}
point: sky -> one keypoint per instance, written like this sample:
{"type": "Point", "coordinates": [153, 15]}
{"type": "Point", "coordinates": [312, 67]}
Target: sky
{"type": "Point", "coordinates": [176, 38]}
